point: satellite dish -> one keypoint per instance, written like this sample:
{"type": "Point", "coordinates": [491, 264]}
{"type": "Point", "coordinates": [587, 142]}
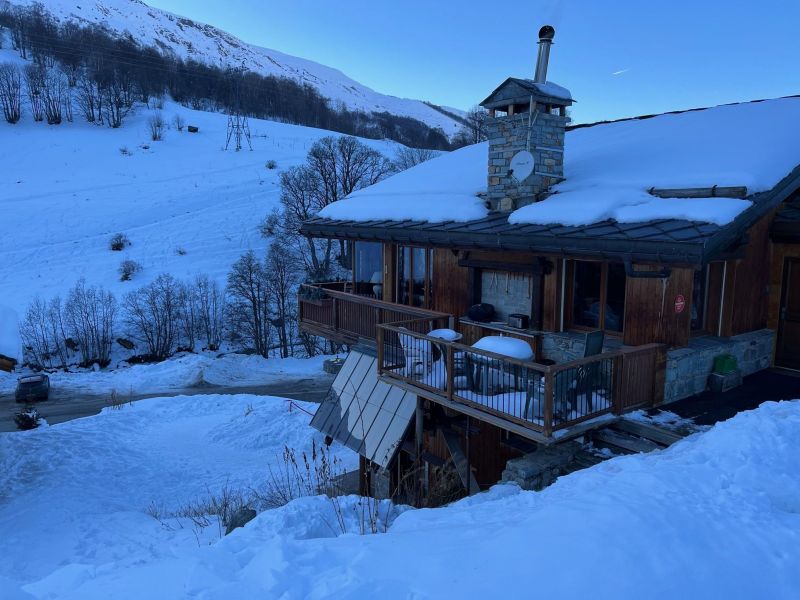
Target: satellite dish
{"type": "Point", "coordinates": [522, 165]}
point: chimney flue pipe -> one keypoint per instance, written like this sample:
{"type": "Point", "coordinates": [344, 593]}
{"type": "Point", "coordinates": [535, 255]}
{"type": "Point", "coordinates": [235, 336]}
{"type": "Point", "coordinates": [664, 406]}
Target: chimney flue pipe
{"type": "Point", "coordinates": [546, 35]}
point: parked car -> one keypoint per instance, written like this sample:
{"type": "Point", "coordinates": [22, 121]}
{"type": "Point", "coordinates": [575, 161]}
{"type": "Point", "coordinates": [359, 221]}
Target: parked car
{"type": "Point", "coordinates": [33, 387]}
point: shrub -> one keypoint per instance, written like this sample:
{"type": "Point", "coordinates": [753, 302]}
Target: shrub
{"type": "Point", "coordinates": [156, 123]}
{"type": "Point", "coordinates": [28, 419]}
{"type": "Point", "coordinates": [118, 242]}
{"type": "Point", "coordinates": [271, 164]}
{"type": "Point", "coordinates": [89, 314]}
{"type": "Point", "coordinates": [124, 151]}
{"type": "Point", "coordinates": [180, 251]}
{"type": "Point", "coordinates": [178, 122]}
{"type": "Point", "coordinates": [127, 269]}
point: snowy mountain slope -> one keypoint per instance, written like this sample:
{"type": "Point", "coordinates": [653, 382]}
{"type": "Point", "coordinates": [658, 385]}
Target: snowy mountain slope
{"type": "Point", "coordinates": [65, 190]}
{"type": "Point", "coordinates": [204, 43]}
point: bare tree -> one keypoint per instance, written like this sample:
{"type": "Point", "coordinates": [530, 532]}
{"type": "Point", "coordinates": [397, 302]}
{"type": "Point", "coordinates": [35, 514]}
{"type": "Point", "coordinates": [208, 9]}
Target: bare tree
{"type": "Point", "coordinates": [335, 167]}
{"type": "Point", "coordinates": [188, 314]}
{"type": "Point", "coordinates": [35, 334]}
{"type": "Point", "coordinates": [474, 129]}
{"type": "Point", "coordinates": [11, 92]}
{"type": "Point", "coordinates": [156, 124]}
{"type": "Point", "coordinates": [248, 291]}
{"type": "Point", "coordinates": [411, 157]}
{"type": "Point", "coordinates": [152, 315]}
{"type": "Point", "coordinates": [89, 314]}
{"type": "Point", "coordinates": [211, 307]}
{"type": "Point", "coordinates": [90, 99]}
{"type": "Point", "coordinates": [283, 277]}
{"type": "Point", "coordinates": [34, 86]}
{"type": "Point", "coordinates": [54, 93]}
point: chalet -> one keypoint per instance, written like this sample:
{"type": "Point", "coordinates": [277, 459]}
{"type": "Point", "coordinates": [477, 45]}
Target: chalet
{"type": "Point", "coordinates": [514, 294]}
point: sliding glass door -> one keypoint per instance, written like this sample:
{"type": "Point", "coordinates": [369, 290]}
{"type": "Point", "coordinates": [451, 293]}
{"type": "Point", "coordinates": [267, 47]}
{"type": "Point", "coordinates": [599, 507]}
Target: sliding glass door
{"type": "Point", "coordinates": [414, 267]}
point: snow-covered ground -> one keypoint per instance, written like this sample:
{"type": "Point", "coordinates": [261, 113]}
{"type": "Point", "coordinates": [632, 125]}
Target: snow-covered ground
{"type": "Point", "coordinates": [65, 190]}
{"type": "Point", "coordinates": [206, 44]}
{"type": "Point", "coordinates": [714, 516]}
{"type": "Point", "coordinates": [74, 497]}
{"type": "Point", "coordinates": [178, 373]}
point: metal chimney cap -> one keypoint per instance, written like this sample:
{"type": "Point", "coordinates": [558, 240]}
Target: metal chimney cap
{"type": "Point", "coordinates": [547, 33]}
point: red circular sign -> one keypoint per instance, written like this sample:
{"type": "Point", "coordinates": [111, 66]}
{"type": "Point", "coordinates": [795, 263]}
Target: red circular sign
{"type": "Point", "coordinates": [680, 303]}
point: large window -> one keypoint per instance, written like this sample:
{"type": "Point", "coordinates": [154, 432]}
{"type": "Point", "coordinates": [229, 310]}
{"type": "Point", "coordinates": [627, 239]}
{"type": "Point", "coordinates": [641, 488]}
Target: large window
{"type": "Point", "coordinates": [414, 267]}
{"type": "Point", "coordinates": [598, 295]}
{"type": "Point", "coordinates": [368, 269]}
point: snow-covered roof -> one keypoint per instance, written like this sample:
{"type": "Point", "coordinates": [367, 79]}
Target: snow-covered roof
{"type": "Point", "coordinates": [442, 189]}
{"type": "Point", "coordinates": [609, 169]}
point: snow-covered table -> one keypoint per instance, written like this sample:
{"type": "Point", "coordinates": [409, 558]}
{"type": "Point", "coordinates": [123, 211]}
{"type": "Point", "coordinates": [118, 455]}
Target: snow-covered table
{"type": "Point", "coordinates": [497, 344]}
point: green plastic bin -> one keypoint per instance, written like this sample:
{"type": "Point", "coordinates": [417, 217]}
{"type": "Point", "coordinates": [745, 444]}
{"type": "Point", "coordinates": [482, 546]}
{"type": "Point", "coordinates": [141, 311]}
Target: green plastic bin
{"type": "Point", "coordinates": [724, 364]}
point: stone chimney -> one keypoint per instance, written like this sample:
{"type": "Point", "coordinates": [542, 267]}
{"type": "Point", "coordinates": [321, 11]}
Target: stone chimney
{"type": "Point", "coordinates": [526, 127]}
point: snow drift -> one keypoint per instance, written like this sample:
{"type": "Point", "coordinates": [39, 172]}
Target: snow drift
{"type": "Point", "coordinates": [714, 516]}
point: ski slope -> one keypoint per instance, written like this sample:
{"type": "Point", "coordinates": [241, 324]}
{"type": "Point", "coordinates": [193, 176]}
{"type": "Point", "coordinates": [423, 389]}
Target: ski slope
{"type": "Point", "coordinates": [65, 190]}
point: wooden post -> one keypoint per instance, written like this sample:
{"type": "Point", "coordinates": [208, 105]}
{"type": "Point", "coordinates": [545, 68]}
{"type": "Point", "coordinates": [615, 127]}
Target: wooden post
{"type": "Point", "coordinates": [380, 350]}
{"type": "Point", "coordinates": [335, 314]}
{"type": "Point", "coordinates": [450, 371]}
{"type": "Point", "coordinates": [617, 374]}
{"type": "Point", "coordinates": [548, 403]}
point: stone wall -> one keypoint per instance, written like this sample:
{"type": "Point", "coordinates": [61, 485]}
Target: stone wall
{"type": "Point", "coordinates": [509, 293]}
{"type": "Point", "coordinates": [509, 135]}
{"type": "Point", "coordinates": [688, 368]}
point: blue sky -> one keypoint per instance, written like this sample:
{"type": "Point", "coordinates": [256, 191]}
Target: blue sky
{"type": "Point", "coordinates": [618, 58]}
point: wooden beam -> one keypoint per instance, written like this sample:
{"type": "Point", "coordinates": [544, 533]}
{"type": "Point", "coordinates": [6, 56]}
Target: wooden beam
{"type": "Point", "coordinates": [701, 192]}
{"type": "Point", "coordinates": [460, 461]}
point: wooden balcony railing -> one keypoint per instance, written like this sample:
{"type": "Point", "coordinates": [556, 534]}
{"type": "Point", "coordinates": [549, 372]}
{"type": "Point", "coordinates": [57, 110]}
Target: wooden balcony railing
{"type": "Point", "coordinates": [332, 311]}
{"type": "Point", "coordinates": [541, 398]}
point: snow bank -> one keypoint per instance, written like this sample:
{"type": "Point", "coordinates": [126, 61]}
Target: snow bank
{"type": "Point", "coordinates": [184, 371]}
{"type": "Point", "coordinates": [714, 516]}
{"type": "Point", "coordinates": [442, 189]}
{"type": "Point", "coordinates": [73, 497]}
{"type": "Point", "coordinates": [10, 344]}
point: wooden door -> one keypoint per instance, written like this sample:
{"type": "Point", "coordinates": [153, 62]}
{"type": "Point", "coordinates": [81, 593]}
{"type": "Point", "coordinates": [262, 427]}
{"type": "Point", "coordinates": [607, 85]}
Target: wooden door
{"type": "Point", "coordinates": [788, 350]}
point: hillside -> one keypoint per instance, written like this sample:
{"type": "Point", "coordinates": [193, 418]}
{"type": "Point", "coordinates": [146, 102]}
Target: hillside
{"type": "Point", "coordinates": [67, 189]}
{"type": "Point", "coordinates": [187, 39]}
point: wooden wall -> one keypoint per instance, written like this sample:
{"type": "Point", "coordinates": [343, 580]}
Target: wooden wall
{"type": "Point", "coordinates": [551, 303]}
{"type": "Point", "coordinates": [452, 285]}
{"type": "Point", "coordinates": [650, 315]}
{"type": "Point", "coordinates": [750, 283]}
{"type": "Point", "coordinates": [487, 455]}
{"type": "Point", "coordinates": [779, 252]}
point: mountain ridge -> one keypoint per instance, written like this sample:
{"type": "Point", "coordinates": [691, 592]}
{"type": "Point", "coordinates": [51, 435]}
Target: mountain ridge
{"type": "Point", "coordinates": [186, 38]}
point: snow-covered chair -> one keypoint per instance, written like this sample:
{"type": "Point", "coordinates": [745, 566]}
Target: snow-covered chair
{"type": "Point", "coordinates": [418, 355]}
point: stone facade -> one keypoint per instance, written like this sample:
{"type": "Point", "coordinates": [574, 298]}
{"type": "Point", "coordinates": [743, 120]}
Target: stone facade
{"type": "Point", "coordinates": [540, 469]}
{"type": "Point", "coordinates": [509, 135]}
{"type": "Point", "coordinates": [688, 368]}
{"type": "Point", "coordinates": [509, 293]}
{"type": "Point", "coordinates": [570, 345]}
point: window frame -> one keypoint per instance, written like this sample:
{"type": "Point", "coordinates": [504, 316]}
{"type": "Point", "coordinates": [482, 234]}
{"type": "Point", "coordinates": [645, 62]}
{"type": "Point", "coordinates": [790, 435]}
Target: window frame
{"type": "Point", "coordinates": [427, 300]}
{"type": "Point", "coordinates": [569, 299]}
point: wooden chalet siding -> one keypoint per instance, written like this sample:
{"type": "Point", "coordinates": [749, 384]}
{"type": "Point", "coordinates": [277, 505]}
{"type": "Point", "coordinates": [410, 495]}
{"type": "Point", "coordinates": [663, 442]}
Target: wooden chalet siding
{"type": "Point", "coordinates": [715, 271]}
{"type": "Point", "coordinates": [642, 368]}
{"type": "Point", "coordinates": [750, 278]}
{"type": "Point", "coordinates": [779, 254]}
{"type": "Point", "coordinates": [487, 454]}
{"type": "Point", "coordinates": [452, 285]}
{"type": "Point", "coordinates": [389, 272]}
{"type": "Point", "coordinates": [551, 302]}
{"type": "Point", "coordinates": [650, 315]}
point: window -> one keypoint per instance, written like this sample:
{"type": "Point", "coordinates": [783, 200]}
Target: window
{"type": "Point", "coordinates": [368, 269]}
{"type": "Point", "coordinates": [699, 299]}
{"type": "Point", "coordinates": [414, 276]}
{"type": "Point", "coordinates": [598, 295]}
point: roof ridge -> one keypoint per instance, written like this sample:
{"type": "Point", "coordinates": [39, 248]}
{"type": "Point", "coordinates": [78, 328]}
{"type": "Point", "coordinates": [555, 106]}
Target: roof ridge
{"type": "Point", "coordinates": [675, 112]}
